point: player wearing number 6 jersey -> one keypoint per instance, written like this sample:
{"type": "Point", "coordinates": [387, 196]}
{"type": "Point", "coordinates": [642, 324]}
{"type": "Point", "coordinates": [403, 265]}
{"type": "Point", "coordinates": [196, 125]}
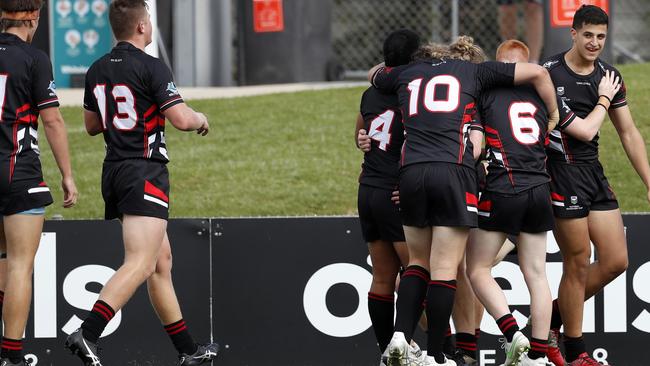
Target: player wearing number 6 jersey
{"type": "Point", "coordinates": [438, 180]}
{"type": "Point", "coordinates": [27, 91]}
{"type": "Point", "coordinates": [127, 98]}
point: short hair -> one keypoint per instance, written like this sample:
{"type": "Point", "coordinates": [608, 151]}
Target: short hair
{"type": "Point", "coordinates": [124, 16]}
{"type": "Point", "coordinates": [512, 45]}
{"type": "Point", "coordinates": [465, 49]}
{"type": "Point", "coordinates": [589, 14]}
{"type": "Point", "coordinates": [17, 6]}
{"type": "Point", "coordinates": [400, 46]}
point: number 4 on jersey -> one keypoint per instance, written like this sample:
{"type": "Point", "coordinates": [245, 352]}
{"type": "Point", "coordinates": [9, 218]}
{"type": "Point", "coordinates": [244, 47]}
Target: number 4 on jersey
{"type": "Point", "coordinates": [380, 128]}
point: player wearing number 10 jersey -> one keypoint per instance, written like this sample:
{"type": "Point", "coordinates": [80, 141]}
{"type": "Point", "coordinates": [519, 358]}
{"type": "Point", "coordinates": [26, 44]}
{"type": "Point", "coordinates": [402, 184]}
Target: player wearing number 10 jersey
{"type": "Point", "coordinates": [127, 98]}
{"type": "Point", "coordinates": [438, 181]}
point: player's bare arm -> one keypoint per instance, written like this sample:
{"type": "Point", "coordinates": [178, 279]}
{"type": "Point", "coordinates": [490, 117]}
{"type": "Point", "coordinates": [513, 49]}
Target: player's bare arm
{"type": "Point", "coordinates": [633, 143]}
{"type": "Point", "coordinates": [373, 71]}
{"type": "Point", "coordinates": [185, 118]}
{"type": "Point", "coordinates": [362, 138]}
{"type": "Point", "coordinates": [587, 128]}
{"type": "Point", "coordinates": [58, 140]}
{"type": "Point", "coordinates": [476, 137]}
{"type": "Point", "coordinates": [527, 73]}
{"type": "Point", "coordinates": [93, 123]}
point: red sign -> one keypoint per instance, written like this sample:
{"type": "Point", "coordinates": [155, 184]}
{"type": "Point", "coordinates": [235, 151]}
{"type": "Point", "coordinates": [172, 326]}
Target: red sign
{"type": "Point", "coordinates": [268, 16]}
{"type": "Point", "coordinates": [562, 11]}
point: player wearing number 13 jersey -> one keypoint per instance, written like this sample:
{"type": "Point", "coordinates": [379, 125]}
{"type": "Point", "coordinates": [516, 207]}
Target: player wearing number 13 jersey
{"type": "Point", "coordinates": [438, 179]}
{"type": "Point", "coordinates": [128, 96]}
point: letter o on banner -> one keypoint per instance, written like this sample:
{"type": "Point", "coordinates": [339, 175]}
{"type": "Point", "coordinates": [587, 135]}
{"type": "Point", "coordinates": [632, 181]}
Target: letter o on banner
{"type": "Point", "coordinates": [315, 304]}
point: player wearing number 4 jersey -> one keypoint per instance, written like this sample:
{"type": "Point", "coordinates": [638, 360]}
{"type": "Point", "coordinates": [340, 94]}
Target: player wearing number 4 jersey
{"type": "Point", "coordinates": [27, 91]}
{"type": "Point", "coordinates": [585, 206]}
{"type": "Point", "coordinates": [128, 96]}
{"type": "Point", "coordinates": [438, 181]}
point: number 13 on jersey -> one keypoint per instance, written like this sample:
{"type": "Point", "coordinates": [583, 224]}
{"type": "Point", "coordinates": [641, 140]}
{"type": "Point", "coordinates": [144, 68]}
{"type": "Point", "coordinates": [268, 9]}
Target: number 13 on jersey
{"type": "Point", "coordinates": [125, 117]}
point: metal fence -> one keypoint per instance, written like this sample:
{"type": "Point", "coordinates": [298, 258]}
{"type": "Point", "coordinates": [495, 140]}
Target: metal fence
{"type": "Point", "coordinates": [359, 26]}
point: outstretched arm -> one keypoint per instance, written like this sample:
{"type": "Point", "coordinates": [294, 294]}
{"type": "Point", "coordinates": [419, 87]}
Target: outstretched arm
{"type": "Point", "coordinates": [587, 128]}
{"type": "Point", "coordinates": [185, 118]}
{"type": "Point", "coordinates": [633, 143]}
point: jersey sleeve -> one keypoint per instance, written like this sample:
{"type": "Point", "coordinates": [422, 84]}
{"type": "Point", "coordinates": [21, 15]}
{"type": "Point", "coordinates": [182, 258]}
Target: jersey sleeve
{"type": "Point", "coordinates": [385, 78]}
{"type": "Point", "coordinates": [566, 114]}
{"type": "Point", "coordinates": [476, 122]}
{"type": "Point", "coordinates": [163, 87]}
{"type": "Point", "coordinates": [493, 74]}
{"type": "Point", "coordinates": [90, 104]}
{"type": "Point", "coordinates": [43, 86]}
{"type": "Point", "coordinates": [620, 99]}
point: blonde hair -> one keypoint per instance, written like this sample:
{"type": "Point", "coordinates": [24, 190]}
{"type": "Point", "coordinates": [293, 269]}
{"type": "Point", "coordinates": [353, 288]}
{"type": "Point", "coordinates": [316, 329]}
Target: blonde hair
{"type": "Point", "coordinates": [465, 49]}
{"type": "Point", "coordinates": [432, 50]}
{"type": "Point", "coordinates": [508, 50]}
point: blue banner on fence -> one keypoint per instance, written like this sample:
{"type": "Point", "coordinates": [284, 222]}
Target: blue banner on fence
{"type": "Point", "coordinates": [79, 34]}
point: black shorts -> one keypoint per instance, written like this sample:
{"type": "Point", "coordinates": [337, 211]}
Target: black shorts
{"type": "Point", "coordinates": [438, 194]}
{"type": "Point", "coordinates": [510, 2]}
{"type": "Point", "coordinates": [24, 195]}
{"type": "Point", "coordinates": [135, 187]}
{"type": "Point", "coordinates": [578, 189]}
{"type": "Point", "coordinates": [529, 211]}
{"type": "Point", "coordinates": [379, 215]}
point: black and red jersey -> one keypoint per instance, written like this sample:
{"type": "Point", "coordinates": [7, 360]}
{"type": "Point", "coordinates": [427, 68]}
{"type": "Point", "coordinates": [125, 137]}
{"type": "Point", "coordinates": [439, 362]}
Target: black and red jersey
{"type": "Point", "coordinates": [383, 121]}
{"type": "Point", "coordinates": [515, 124]}
{"type": "Point", "coordinates": [129, 90]}
{"type": "Point", "coordinates": [580, 93]}
{"type": "Point", "coordinates": [437, 99]}
{"type": "Point", "coordinates": [26, 87]}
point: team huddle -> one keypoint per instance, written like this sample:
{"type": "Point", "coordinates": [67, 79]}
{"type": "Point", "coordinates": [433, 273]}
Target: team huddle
{"type": "Point", "coordinates": [441, 211]}
{"type": "Point", "coordinates": [128, 97]}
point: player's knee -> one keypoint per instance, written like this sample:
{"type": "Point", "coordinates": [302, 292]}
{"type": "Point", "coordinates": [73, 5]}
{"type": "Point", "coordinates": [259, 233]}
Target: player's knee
{"type": "Point", "coordinates": [615, 266]}
{"type": "Point", "coordinates": [164, 264]}
{"type": "Point", "coordinates": [534, 271]}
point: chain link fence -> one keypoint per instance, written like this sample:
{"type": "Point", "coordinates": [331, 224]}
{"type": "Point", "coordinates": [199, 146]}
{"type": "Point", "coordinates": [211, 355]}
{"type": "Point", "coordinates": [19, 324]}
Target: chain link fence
{"type": "Point", "coordinates": [360, 26]}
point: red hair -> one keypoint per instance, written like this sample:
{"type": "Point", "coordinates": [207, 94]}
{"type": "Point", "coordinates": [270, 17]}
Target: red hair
{"type": "Point", "coordinates": [512, 46]}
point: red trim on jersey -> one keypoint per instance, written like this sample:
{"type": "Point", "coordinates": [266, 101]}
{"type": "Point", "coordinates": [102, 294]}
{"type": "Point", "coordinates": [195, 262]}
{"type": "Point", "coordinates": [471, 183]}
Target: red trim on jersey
{"type": "Point", "coordinates": [152, 190]}
{"type": "Point", "coordinates": [496, 143]}
{"type": "Point", "coordinates": [150, 111]}
{"type": "Point", "coordinates": [466, 119]}
{"type": "Point", "coordinates": [12, 157]}
{"type": "Point", "coordinates": [557, 196]}
{"type": "Point", "coordinates": [42, 184]}
{"type": "Point", "coordinates": [170, 101]}
{"type": "Point", "coordinates": [48, 101]}
{"type": "Point", "coordinates": [471, 199]}
{"type": "Point", "coordinates": [485, 205]}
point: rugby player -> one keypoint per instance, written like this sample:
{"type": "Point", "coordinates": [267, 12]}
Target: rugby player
{"type": "Point", "coordinates": [438, 181]}
{"type": "Point", "coordinates": [27, 91]}
{"type": "Point", "coordinates": [128, 95]}
{"type": "Point", "coordinates": [380, 122]}
{"type": "Point", "coordinates": [584, 204]}
{"type": "Point", "coordinates": [517, 201]}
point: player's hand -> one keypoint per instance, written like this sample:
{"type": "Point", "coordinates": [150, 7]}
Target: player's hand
{"type": "Point", "coordinates": [205, 126]}
{"type": "Point", "coordinates": [648, 196]}
{"type": "Point", "coordinates": [70, 193]}
{"type": "Point", "coordinates": [609, 85]}
{"type": "Point", "coordinates": [395, 197]}
{"type": "Point", "coordinates": [363, 140]}
{"type": "Point", "coordinates": [553, 119]}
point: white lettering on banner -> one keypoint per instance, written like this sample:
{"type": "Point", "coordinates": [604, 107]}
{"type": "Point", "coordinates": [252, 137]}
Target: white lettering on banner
{"type": "Point", "coordinates": [642, 291]}
{"type": "Point", "coordinates": [45, 287]}
{"type": "Point", "coordinates": [75, 293]}
{"type": "Point", "coordinates": [315, 304]}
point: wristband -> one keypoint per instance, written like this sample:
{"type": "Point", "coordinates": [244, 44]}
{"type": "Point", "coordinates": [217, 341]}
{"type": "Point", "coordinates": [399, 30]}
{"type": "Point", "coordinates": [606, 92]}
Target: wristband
{"type": "Point", "coordinates": [606, 97]}
{"type": "Point", "coordinates": [602, 105]}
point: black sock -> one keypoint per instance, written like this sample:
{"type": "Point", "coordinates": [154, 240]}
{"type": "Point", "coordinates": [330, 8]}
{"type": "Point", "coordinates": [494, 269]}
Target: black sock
{"type": "Point", "coordinates": [574, 347]}
{"type": "Point", "coordinates": [12, 349]}
{"type": "Point", "coordinates": [440, 301]}
{"type": "Point", "coordinates": [508, 326]}
{"type": "Point", "coordinates": [410, 295]}
{"type": "Point", "coordinates": [538, 348]}
{"type": "Point", "coordinates": [181, 337]}
{"type": "Point", "coordinates": [556, 317]}
{"type": "Point", "coordinates": [449, 347]}
{"type": "Point", "coordinates": [467, 343]}
{"type": "Point", "coordinates": [477, 334]}
{"type": "Point", "coordinates": [382, 309]}
{"type": "Point", "coordinates": [97, 319]}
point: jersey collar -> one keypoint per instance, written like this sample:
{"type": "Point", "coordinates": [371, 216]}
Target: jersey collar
{"type": "Point", "coordinates": [573, 73]}
{"type": "Point", "coordinates": [126, 46]}
{"type": "Point", "coordinates": [10, 38]}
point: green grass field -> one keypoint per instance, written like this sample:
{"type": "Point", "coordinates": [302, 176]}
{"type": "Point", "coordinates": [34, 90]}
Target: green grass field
{"type": "Point", "coordinates": [289, 155]}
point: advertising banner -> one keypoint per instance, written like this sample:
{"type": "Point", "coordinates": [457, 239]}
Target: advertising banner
{"type": "Point", "coordinates": [285, 291]}
{"type": "Point", "coordinates": [79, 34]}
